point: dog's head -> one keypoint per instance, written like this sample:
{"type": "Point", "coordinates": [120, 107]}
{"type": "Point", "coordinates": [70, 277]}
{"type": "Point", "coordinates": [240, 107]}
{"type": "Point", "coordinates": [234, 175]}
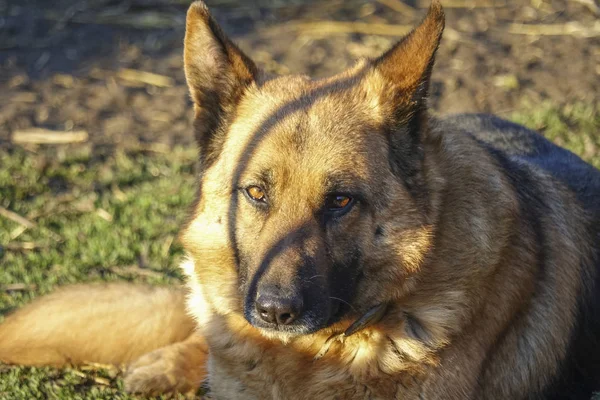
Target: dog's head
{"type": "Point", "coordinates": [314, 203]}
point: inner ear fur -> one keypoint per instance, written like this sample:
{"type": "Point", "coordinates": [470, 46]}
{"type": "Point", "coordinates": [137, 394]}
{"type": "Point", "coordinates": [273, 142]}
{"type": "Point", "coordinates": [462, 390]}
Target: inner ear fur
{"type": "Point", "coordinates": [217, 74]}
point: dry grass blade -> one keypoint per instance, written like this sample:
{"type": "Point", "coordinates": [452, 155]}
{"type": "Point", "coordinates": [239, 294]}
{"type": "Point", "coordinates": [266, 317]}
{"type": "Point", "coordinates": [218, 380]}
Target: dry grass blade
{"type": "Point", "coordinates": [105, 215]}
{"type": "Point", "coordinates": [24, 97]}
{"type": "Point", "coordinates": [16, 218]}
{"type": "Point", "coordinates": [23, 246]}
{"type": "Point", "coordinates": [18, 231]}
{"type": "Point", "coordinates": [573, 28]}
{"type": "Point", "coordinates": [93, 366]}
{"type": "Point", "coordinates": [322, 28]}
{"type": "Point", "coordinates": [97, 379]}
{"type": "Point", "coordinates": [24, 224]}
{"type": "Point", "coordinates": [101, 381]}
{"type": "Point", "coordinates": [148, 78]}
{"type": "Point", "coordinates": [46, 136]}
{"type": "Point", "coordinates": [398, 6]}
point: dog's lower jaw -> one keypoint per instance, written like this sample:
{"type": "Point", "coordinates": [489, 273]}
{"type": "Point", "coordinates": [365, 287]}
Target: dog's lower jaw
{"type": "Point", "coordinates": [293, 330]}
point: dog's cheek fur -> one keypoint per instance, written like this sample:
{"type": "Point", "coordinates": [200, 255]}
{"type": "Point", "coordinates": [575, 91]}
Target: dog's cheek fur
{"type": "Point", "coordinates": [219, 75]}
{"type": "Point", "coordinates": [206, 239]}
{"type": "Point", "coordinates": [392, 256]}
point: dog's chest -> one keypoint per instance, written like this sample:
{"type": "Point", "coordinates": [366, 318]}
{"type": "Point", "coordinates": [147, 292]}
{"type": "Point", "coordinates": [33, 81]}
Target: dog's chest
{"type": "Point", "coordinates": [244, 372]}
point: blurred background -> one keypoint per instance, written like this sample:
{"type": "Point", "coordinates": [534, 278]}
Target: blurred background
{"type": "Point", "coordinates": [96, 146]}
{"type": "Point", "coordinates": [83, 64]}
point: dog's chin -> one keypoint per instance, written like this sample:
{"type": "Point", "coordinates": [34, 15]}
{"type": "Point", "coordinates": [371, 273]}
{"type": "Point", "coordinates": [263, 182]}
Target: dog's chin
{"type": "Point", "coordinates": [282, 336]}
{"type": "Point", "coordinates": [286, 333]}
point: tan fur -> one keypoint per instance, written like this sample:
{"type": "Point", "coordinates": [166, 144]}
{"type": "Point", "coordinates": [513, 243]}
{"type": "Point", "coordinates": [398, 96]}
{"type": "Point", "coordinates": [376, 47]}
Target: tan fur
{"type": "Point", "coordinates": [447, 300]}
{"type": "Point", "coordinates": [445, 240]}
{"type": "Point", "coordinates": [179, 367]}
{"type": "Point", "coordinates": [109, 323]}
{"type": "Point", "coordinates": [463, 287]}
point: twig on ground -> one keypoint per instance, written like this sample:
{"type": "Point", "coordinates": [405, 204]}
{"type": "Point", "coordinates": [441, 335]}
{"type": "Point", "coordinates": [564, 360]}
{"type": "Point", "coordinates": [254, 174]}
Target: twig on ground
{"type": "Point", "coordinates": [105, 215]}
{"type": "Point", "coordinates": [24, 225]}
{"type": "Point", "coordinates": [148, 78]}
{"type": "Point", "coordinates": [16, 218]}
{"type": "Point", "coordinates": [46, 136]}
{"type": "Point", "coordinates": [97, 379]}
{"type": "Point", "coordinates": [93, 366]}
{"type": "Point", "coordinates": [24, 97]}
{"type": "Point", "coordinates": [573, 28]}
{"type": "Point", "coordinates": [18, 231]}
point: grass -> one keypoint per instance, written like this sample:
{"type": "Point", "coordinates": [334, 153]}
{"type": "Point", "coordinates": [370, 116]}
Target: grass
{"type": "Point", "coordinates": [575, 126]}
{"type": "Point", "coordinates": [102, 214]}
{"type": "Point", "coordinates": [99, 216]}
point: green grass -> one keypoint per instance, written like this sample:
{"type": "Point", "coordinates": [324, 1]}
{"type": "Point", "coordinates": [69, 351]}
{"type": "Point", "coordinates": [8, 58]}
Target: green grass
{"type": "Point", "coordinates": [114, 215]}
{"type": "Point", "coordinates": [575, 126]}
{"type": "Point", "coordinates": [143, 198]}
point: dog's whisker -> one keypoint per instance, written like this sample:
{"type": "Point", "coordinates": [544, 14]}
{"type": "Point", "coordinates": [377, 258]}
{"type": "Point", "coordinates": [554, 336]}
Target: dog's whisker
{"type": "Point", "coordinates": [343, 301]}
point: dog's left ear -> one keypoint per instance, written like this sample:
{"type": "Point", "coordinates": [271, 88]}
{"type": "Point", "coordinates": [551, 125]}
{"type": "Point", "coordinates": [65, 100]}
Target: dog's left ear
{"type": "Point", "coordinates": [217, 72]}
{"type": "Point", "coordinates": [401, 81]}
{"type": "Point", "coordinates": [407, 66]}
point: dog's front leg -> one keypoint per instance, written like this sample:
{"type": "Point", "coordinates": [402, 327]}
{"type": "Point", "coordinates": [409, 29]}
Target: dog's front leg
{"type": "Point", "coordinates": [180, 367]}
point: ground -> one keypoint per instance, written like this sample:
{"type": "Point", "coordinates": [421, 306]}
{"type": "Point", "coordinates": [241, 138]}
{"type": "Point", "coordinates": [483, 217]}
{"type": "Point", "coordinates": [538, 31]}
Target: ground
{"type": "Point", "coordinates": [109, 208]}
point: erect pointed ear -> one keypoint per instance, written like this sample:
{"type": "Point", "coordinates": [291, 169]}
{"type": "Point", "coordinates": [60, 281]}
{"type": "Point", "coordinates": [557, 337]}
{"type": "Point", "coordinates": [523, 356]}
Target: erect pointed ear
{"type": "Point", "coordinates": [401, 82]}
{"type": "Point", "coordinates": [217, 73]}
{"type": "Point", "coordinates": [407, 66]}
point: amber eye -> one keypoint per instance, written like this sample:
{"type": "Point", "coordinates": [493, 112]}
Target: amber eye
{"type": "Point", "coordinates": [337, 202]}
{"type": "Point", "coordinates": [256, 193]}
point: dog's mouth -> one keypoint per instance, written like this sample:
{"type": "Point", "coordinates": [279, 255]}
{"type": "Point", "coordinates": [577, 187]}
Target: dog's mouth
{"type": "Point", "coordinates": [309, 324]}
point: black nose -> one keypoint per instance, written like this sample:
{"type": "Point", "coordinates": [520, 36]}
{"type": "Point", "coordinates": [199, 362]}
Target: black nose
{"type": "Point", "coordinates": [275, 308]}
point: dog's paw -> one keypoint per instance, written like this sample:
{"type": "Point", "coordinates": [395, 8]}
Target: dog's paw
{"type": "Point", "coordinates": [179, 368]}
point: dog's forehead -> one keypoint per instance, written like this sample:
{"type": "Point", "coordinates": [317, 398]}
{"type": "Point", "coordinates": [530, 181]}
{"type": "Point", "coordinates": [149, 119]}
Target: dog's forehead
{"type": "Point", "coordinates": [307, 128]}
{"type": "Point", "coordinates": [340, 107]}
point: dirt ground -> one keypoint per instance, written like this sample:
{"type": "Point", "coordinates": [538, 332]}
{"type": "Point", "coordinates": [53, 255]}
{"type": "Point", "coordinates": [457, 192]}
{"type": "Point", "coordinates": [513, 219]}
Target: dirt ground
{"type": "Point", "coordinates": [65, 64]}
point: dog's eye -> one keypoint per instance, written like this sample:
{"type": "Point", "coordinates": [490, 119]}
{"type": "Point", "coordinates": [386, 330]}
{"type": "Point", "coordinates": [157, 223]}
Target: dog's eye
{"type": "Point", "coordinates": [256, 193]}
{"type": "Point", "coordinates": [338, 202]}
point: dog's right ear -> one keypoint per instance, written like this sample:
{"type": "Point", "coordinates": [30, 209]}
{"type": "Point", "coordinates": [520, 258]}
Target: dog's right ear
{"type": "Point", "coordinates": [217, 73]}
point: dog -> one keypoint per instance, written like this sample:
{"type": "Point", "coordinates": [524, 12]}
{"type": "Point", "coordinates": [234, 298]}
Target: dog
{"type": "Point", "coordinates": [346, 244]}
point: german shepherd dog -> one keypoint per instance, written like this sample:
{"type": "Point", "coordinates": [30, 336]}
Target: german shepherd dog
{"type": "Point", "coordinates": [345, 244]}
